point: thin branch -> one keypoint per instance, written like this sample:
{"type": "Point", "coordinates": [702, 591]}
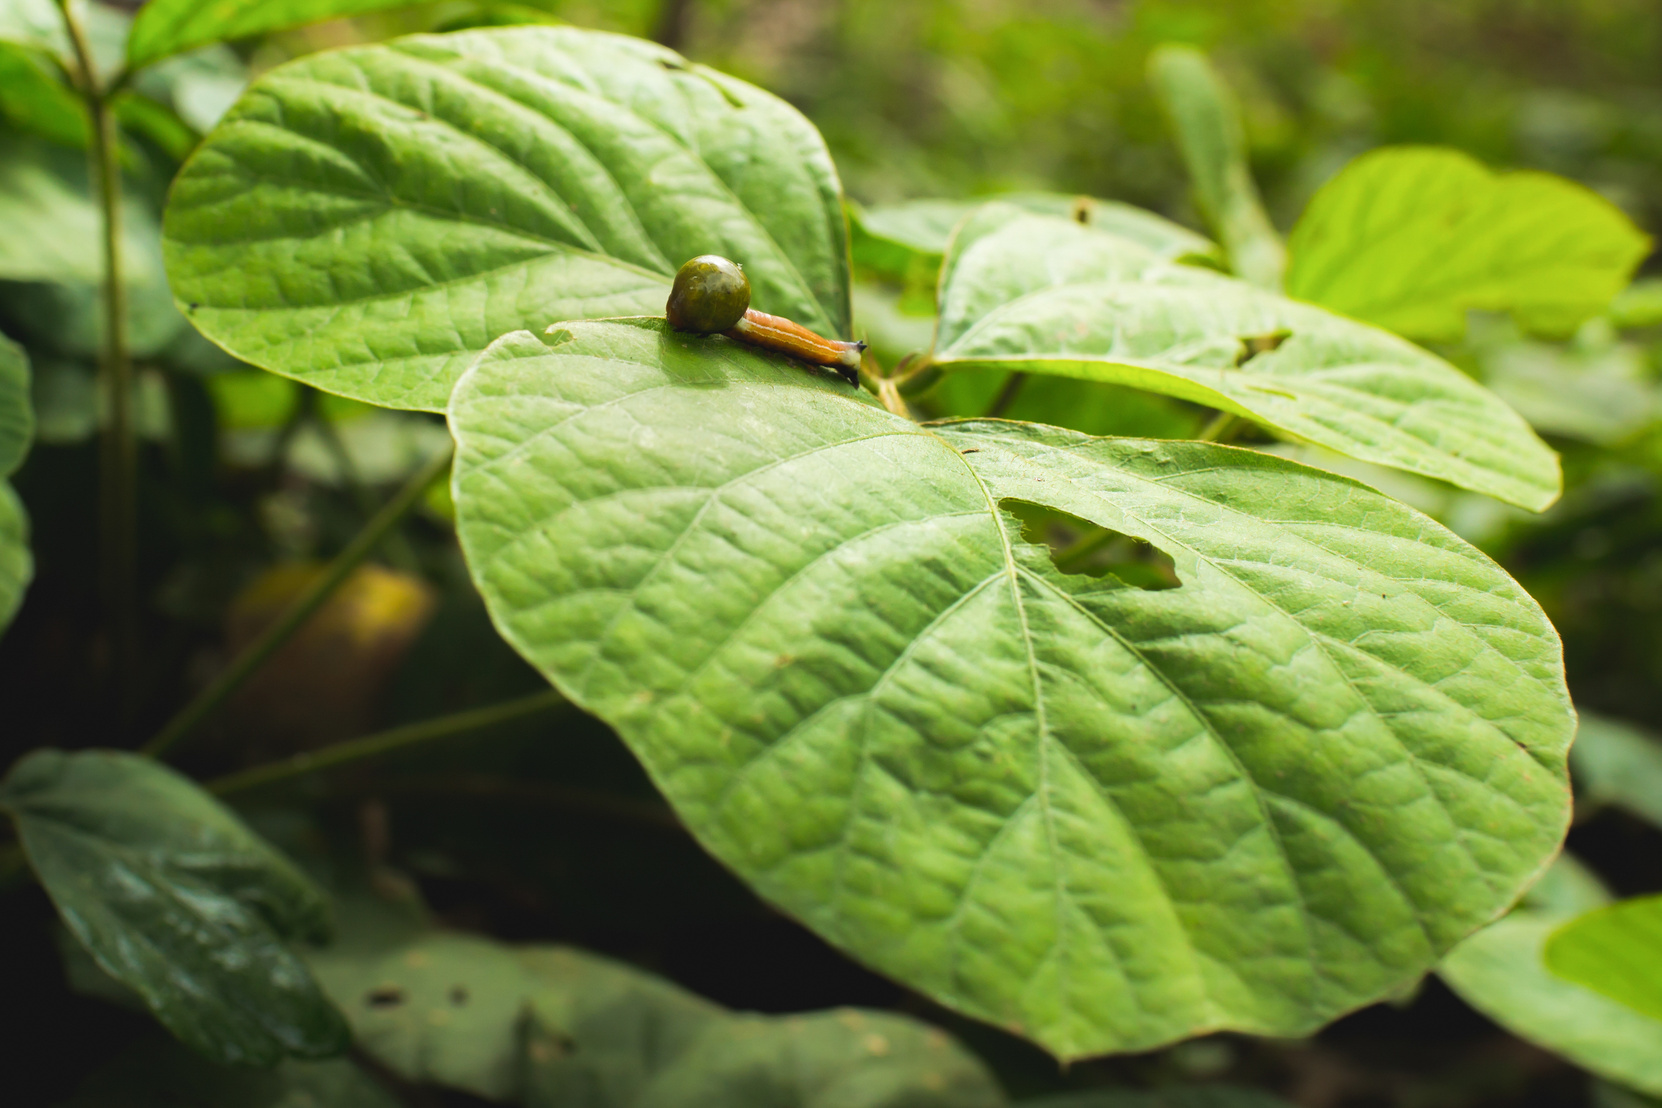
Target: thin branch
{"type": "Point", "coordinates": [1006, 396]}
{"type": "Point", "coordinates": [373, 746]}
{"type": "Point", "coordinates": [274, 636]}
{"type": "Point", "coordinates": [1222, 428]}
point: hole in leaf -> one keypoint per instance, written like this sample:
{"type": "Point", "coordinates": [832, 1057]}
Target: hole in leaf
{"type": "Point", "coordinates": [1080, 546]}
{"type": "Point", "coordinates": [387, 996]}
{"type": "Point", "coordinates": [1254, 345]}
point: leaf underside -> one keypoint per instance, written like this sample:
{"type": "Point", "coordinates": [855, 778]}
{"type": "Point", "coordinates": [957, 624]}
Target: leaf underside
{"type": "Point", "coordinates": [1103, 817]}
{"type": "Point", "coordinates": [1410, 238]}
{"type": "Point", "coordinates": [1045, 295]}
{"type": "Point", "coordinates": [368, 220]}
{"type": "Point", "coordinates": [179, 901]}
{"type": "Point", "coordinates": [164, 27]}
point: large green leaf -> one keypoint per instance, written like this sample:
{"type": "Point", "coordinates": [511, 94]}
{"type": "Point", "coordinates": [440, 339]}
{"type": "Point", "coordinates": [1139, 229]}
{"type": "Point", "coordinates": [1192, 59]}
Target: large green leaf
{"type": "Point", "coordinates": [179, 901]}
{"type": "Point", "coordinates": [889, 236]}
{"type": "Point", "coordinates": [1412, 237]}
{"type": "Point", "coordinates": [1045, 295]}
{"type": "Point", "coordinates": [165, 27]}
{"type": "Point", "coordinates": [162, 1074]}
{"type": "Point", "coordinates": [368, 220]}
{"type": "Point", "coordinates": [1614, 950]}
{"type": "Point", "coordinates": [553, 1027]}
{"type": "Point", "coordinates": [1207, 126]}
{"type": "Point", "coordinates": [1500, 972]}
{"type": "Point", "coordinates": [1102, 817]}
{"type": "Point", "coordinates": [1616, 763]}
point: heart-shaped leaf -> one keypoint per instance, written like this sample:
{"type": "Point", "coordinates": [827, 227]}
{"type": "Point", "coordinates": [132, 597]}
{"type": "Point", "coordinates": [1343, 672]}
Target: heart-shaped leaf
{"type": "Point", "coordinates": [165, 27]}
{"type": "Point", "coordinates": [1045, 295]}
{"type": "Point", "coordinates": [1103, 817]}
{"type": "Point", "coordinates": [1412, 237]}
{"type": "Point", "coordinates": [368, 220]}
{"type": "Point", "coordinates": [179, 901]}
{"type": "Point", "coordinates": [1614, 950]}
{"type": "Point", "coordinates": [1500, 971]}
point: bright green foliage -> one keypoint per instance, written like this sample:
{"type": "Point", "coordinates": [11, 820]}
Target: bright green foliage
{"type": "Point", "coordinates": [1616, 950]}
{"type": "Point", "coordinates": [1411, 238]}
{"type": "Point", "coordinates": [165, 27]}
{"type": "Point", "coordinates": [888, 237]}
{"type": "Point", "coordinates": [1638, 305]}
{"type": "Point", "coordinates": [551, 1027]}
{"type": "Point", "coordinates": [1207, 125]}
{"type": "Point", "coordinates": [1101, 817]}
{"type": "Point", "coordinates": [1194, 1096]}
{"type": "Point", "coordinates": [368, 220]}
{"type": "Point", "coordinates": [158, 1073]}
{"type": "Point", "coordinates": [16, 428]}
{"type": "Point", "coordinates": [1614, 763]}
{"type": "Point", "coordinates": [179, 901]}
{"type": "Point", "coordinates": [1500, 972]}
{"type": "Point", "coordinates": [1046, 295]}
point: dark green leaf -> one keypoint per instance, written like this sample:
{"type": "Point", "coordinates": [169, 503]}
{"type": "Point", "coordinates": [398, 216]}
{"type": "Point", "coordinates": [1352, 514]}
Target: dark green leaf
{"type": "Point", "coordinates": [1207, 126]}
{"type": "Point", "coordinates": [1500, 972]}
{"type": "Point", "coordinates": [16, 429]}
{"type": "Point", "coordinates": [17, 565]}
{"type": "Point", "coordinates": [1615, 950]}
{"type": "Point", "coordinates": [1103, 817]}
{"type": "Point", "coordinates": [1045, 295]}
{"type": "Point", "coordinates": [368, 220]}
{"type": "Point", "coordinates": [166, 27]}
{"type": "Point", "coordinates": [36, 99]}
{"type": "Point", "coordinates": [161, 1074]}
{"type": "Point", "coordinates": [1194, 1096]}
{"type": "Point", "coordinates": [1412, 237]}
{"type": "Point", "coordinates": [176, 899]}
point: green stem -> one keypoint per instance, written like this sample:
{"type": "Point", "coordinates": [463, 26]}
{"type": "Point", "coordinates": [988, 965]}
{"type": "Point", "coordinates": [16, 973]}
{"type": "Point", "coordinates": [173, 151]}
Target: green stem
{"type": "Point", "coordinates": [118, 502]}
{"type": "Point", "coordinates": [373, 746]}
{"type": "Point", "coordinates": [274, 636]}
{"type": "Point", "coordinates": [1223, 427]}
{"type": "Point", "coordinates": [1006, 396]}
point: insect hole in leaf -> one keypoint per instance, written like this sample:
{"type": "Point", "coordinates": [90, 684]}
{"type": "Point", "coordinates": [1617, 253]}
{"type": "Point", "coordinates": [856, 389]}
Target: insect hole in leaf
{"type": "Point", "coordinates": [1079, 546]}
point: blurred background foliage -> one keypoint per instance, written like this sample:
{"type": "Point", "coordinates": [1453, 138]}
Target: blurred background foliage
{"type": "Point", "coordinates": [249, 479]}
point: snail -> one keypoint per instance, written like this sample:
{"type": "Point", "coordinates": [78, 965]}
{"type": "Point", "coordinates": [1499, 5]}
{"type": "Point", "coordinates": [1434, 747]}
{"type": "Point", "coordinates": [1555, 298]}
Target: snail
{"type": "Point", "coordinates": [712, 294]}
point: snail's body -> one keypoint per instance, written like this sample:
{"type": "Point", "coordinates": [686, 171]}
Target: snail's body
{"type": "Point", "coordinates": [712, 294]}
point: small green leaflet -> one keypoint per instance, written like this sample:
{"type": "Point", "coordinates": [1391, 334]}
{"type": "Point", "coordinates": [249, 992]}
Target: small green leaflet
{"type": "Point", "coordinates": [1101, 817]}
{"type": "Point", "coordinates": [1412, 237]}
{"type": "Point", "coordinates": [1617, 951]}
{"type": "Point", "coordinates": [1500, 971]}
{"type": "Point", "coordinates": [1207, 125]}
{"type": "Point", "coordinates": [179, 901]}
{"type": "Point", "coordinates": [1045, 295]}
{"type": "Point", "coordinates": [368, 220]}
{"type": "Point", "coordinates": [164, 27]}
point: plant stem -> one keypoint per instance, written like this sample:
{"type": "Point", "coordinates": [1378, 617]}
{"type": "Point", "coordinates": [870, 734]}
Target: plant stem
{"type": "Point", "coordinates": [1006, 396]}
{"type": "Point", "coordinates": [274, 636]}
{"type": "Point", "coordinates": [1222, 427]}
{"type": "Point", "coordinates": [373, 746]}
{"type": "Point", "coordinates": [118, 477]}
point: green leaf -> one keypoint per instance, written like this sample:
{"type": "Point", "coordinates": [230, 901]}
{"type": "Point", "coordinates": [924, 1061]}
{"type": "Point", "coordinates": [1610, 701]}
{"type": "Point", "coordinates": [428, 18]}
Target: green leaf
{"type": "Point", "coordinates": [1638, 305]}
{"type": "Point", "coordinates": [161, 1074]}
{"type": "Point", "coordinates": [888, 237]}
{"type": "Point", "coordinates": [1193, 1096]}
{"type": "Point", "coordinates": [1412, 237]}
{"type": "Point", "coordinates": [176, 899]}
{"type": "Point", "coordinates": [1600, 394]}
{"type": "Point", "coordinates": [36, 24]}
{"type": "Point", "coordinates": [842, 1059]}
{"type": "Point", "coordinates": [1101, 817]}
{"type": "Point", "coordinates": [1207, 125]}
{"type": "Point", "coordinates": [1500, 972]}
{"type": "Point", "coordinates": [16, 429]}
{"type": "Point", "coordinates": [1044, 295]}
{"type": "Point", "coordinates": [165, 27]}
{"type": "Point", "coordinates": [1616, 763]}
{"type": "Point", "coordinates": [370, 219]}
{"type": "Point", "coordinates": [1617, 951]}
{"type": "Point", "coordinates": [36, 99]}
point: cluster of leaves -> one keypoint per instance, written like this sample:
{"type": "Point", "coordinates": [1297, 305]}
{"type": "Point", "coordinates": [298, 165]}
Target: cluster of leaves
{"type": "Point", "coordinates": [1259, 745]}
